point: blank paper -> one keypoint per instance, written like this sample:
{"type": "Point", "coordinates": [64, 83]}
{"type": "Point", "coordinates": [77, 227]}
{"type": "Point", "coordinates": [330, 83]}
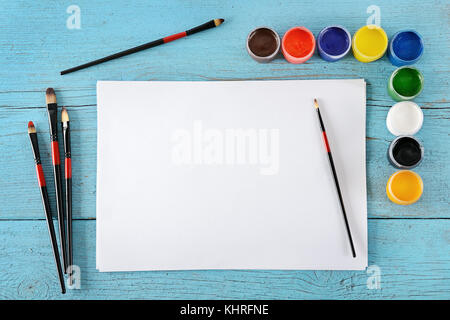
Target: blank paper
{"type": "Point", "coordinates": [229, 175]}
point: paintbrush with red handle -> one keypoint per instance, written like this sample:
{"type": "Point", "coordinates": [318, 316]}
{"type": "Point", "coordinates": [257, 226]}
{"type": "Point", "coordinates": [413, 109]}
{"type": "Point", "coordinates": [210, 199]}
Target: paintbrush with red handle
{"type": "Point", "coordinates": [44, 195]}
{"type": "Point", "coordinates": [65, 123]}
{"type": "Point", "coordinates": [52, 110]}
{"type": "Point", "coordinates": [207, 25]}
{"type": "Point", "coordinates": [336, 181]}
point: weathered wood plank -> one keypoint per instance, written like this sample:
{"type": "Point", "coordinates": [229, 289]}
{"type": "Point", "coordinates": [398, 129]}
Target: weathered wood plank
{"type": "Point", "coordinates": [19, 186]}
{"type": "Point", "coordinates": [36, 45]}
{"type": "Point", "coordinates": [34, 53]}
{"type": "Point", "coordinates": [411, 254]}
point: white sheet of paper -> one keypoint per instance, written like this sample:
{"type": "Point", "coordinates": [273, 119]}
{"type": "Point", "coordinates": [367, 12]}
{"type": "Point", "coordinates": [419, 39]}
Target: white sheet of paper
{"type": "Point", "coordinates": [229, 175]}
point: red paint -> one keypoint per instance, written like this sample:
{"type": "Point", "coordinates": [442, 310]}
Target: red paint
{"type": "Point", "coordinates": [174, 37]}
{"type": "Point", "coordinates": [55, 153]}
{"type": "Point", "coordinates": [68, 168]}
{"type": "Point", "coordinates": [40, 175]}
{"type": "Point", "coordinates": [30, 124]}
{"type": "Point", "coordinates": [325, 140]}
{"type": "Point", "coordinates": [298, 45]}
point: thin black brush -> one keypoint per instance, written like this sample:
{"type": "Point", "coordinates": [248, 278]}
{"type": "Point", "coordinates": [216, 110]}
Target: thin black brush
{"type": "Point", "coordinates": [52, 109]}
{"type": "Point", "coordinates": [208, 25]}
{"type": "Point", "coordinates": [44, 195]}
{"type": "Point", "coordinates": [65, 124]}
{"type": "Point", "coordinates": [336, 181]}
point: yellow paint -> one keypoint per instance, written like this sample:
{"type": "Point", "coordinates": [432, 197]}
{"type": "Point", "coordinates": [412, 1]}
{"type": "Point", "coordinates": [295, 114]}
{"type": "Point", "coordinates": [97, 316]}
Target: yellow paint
{"type": "Point", "coordinates": [369, 43]}
{"type": "Point", "coordinates": [404, 187]}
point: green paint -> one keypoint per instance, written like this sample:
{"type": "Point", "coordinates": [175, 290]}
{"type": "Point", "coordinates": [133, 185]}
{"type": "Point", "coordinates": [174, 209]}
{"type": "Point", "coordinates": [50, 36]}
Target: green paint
{"type": "Point", "coordinates": [407, 82]}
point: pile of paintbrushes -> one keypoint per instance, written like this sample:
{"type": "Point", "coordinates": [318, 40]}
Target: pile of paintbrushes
{"type": "Point", "coordinates": [64, 220]}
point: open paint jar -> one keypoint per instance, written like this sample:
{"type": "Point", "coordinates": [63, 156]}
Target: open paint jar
{"type": "Point", "coordinates": [369, 43]}
{"type": "Point", "coordinates": [405, 47]}
{"type": "Point", "coordinates": [333, 43]}
{"type": "Point", "coordinates": [404, 187]}
{"type": "Point", "coordinates": [405, 83]}
{"type": "Point", "coordinates": [263, 44]}
{"type": "Point", "coordinates": [405, 152]}
{"type": "Point", "coordinates": [404, 118]}
{"type": "Point", "coordinates": [298, 45]}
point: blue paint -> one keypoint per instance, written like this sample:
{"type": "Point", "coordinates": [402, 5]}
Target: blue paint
{"type": "Point", "coordinates": [405, 48]}
{"type": "Point", "coordinates": [333, 43]}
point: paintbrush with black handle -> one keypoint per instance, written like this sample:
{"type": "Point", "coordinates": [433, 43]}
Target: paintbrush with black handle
{"type": "Point", "coordinates": [44, 195]}
{"type": "Point", "coordinates": [52, 110]}
{"type": "Point", "coordinates": [65, 124]}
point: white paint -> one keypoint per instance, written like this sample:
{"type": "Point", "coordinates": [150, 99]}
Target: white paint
{"type": "Point", "coordinates": [404, 118]}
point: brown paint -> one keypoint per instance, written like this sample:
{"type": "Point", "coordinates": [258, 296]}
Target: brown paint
{"type": "Point", "coordinates": [263, 42]}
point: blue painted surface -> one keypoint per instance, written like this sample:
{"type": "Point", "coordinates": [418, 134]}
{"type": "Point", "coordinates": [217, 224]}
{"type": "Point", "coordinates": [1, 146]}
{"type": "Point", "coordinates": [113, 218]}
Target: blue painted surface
{"type": "Point", "coordinates": [333, 43]}
{"type": "Point", "coordinates": [405, 48]}
{"type": "Point", "coordinates": [409, 244]}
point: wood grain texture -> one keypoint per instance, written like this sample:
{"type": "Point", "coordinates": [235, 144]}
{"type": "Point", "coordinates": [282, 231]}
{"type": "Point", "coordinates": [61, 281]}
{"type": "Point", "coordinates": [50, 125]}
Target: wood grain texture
{"type": "Point", "coordinates": [35, 48]}
{"type": "Point", "coordinates": [408, 253]}
{"type": "Point", "coordinates": [36, 45]}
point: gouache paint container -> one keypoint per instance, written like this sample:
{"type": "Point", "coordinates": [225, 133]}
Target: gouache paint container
{"type": "Point", "coordinates": [405, 83]}
{"type": "Point", "coordinates": [298, 45]}
{"type": "Point", "coordinates": [405, 47]}
{"type": "Point", "coordinates": [263, 44]}
{"type": "Point", "coordinates": [404, 187]}
{"type": "Point", "coordinates": [404, 118]}
{"type": "Point", "coordinates": [333, 43]}
{"type": "Point", "coordinates": [369, 43]}
{"type": "Point", "coordinates": [405, 152]}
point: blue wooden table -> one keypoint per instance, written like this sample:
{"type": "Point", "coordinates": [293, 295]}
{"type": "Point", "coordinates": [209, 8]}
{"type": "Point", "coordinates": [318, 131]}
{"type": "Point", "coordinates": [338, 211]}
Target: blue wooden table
{"type": "Point", "coordinates": [409, 246]}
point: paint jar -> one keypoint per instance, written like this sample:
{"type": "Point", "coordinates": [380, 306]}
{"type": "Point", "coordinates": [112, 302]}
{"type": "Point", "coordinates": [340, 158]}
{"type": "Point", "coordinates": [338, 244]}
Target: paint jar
{"type": "Point", "coordinates": [298, 45]}
{"type": "Point", "coordinates": [404, 187]}
{"type": "Point", "coordinates": [369, 43]}
{"type": "Point", "coordinates": [405, 83]}
{"type": "Point", "coordinates": [333, 43]}
{"type": "Point", "coordinates": [405, 152]}
{"type": "Point", "coordinates": [404, 118]}
{"type": "Point", "coordinates": [263, 44]}
{"type": "Point", "coordinates": [405, 47]}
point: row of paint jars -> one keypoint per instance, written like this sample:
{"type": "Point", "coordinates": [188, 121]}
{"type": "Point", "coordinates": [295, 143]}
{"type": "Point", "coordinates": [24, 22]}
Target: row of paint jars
{"type": "Point", "coordinates": [369, 43]}
{"type": "Point", "coordinates": [405, 119]}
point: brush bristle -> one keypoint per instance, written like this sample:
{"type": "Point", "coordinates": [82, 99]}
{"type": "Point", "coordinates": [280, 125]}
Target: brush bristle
{"type": "Point", "coordinates": [31, 128]}
{"type": "Point", "coordinates": [316, 105]}
{"type": "Point", "coordinates": [218, 22]}
{"type": "Point", "coordinates": [64, 115]}
{"type": "Point", "coordinates": [50, 96]}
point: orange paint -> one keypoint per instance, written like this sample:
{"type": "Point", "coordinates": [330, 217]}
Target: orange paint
{"type": "Point", "coordinates": [298, 45]}
{"type": "Point", "coordinates": [404, 187]}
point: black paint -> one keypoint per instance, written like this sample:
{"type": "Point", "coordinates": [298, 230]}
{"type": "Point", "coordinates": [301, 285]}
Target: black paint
{"type": "Point", "coordinates": [407, 151]}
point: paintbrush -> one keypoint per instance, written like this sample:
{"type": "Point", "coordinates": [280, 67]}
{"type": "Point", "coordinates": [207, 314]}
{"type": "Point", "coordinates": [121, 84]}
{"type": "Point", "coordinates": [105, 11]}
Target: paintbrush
{"type": "Point", "coordinates": [65, 124]}
{"type": "Point", "coordinates": [44, 195]}
{"type": "Point", "coordinates": [336, 181]}
{"type": "Point", "coordinates": [208, 25]}
{"type": "Point", "coordinates": [52, 110]}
